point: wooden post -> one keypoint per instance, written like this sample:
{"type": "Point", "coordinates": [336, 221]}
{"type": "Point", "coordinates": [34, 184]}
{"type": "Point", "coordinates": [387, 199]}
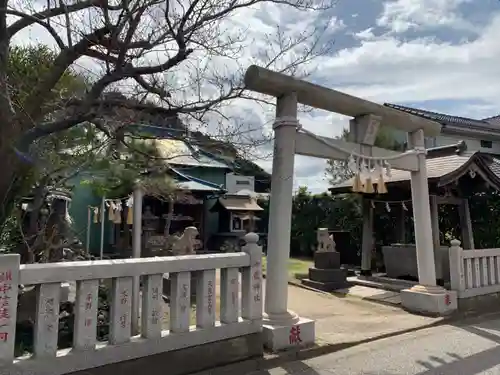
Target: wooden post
{"type": "Point", "coordinates": [400, 225]}
{"type": "Point", "coordinates": [466, 225]}
{"type": "Point", "coordinates": [435, 222]}
{"type": "Point", "coordinates": [367, 239]}
{"type": "Point", "coordinates": [138, 196]}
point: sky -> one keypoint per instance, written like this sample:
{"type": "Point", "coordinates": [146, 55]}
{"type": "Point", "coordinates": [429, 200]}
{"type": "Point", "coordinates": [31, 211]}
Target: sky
{"type": "Point", "coordinates": [440, 55]}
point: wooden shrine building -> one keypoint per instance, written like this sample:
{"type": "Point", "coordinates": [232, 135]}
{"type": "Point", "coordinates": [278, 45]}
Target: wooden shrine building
{"type": "Point", "coordinates": [454, 175]}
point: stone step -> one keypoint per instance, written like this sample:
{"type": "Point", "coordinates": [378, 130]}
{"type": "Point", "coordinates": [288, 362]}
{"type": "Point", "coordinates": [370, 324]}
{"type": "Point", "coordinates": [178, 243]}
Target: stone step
{"type": "Point", "coordinates": [384, 283]}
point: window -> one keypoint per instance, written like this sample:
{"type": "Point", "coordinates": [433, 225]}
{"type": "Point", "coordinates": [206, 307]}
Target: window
{"type": "Point", "coordinates": [236, 223]}
{"type": "Point", "coordinates": [242, 182]}
{"type": "Point", "coordinates": [486, 144]}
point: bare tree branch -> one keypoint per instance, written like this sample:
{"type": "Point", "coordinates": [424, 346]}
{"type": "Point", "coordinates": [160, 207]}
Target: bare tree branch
{"type": "Point", "coordinates": [180, 60]}
{"type": "Point", "coordinates": [40, 22]}
{"type": "Point", "coordinates": [54, 12]}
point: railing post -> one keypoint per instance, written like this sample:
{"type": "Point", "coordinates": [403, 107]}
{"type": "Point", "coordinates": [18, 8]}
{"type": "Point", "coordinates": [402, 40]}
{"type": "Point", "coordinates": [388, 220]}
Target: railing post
{"type": "Point", "coordinates": [251, 300]}
{"type": "Point", "coordinates": [47, 319]}
{"type": "Point", "coordinates": [180, 301]}
{"type": "Point", "coordinates": [457, 272]}
{"type": "Point", "coordinates": [9, 281]}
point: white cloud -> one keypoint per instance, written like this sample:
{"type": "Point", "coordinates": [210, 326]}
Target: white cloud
{"type": "Point", "coordinates": [403, 15]}
{"type": "Point", "coordinates": [385, 66]}
{"type": "Point", "coordinates": [392, 68]}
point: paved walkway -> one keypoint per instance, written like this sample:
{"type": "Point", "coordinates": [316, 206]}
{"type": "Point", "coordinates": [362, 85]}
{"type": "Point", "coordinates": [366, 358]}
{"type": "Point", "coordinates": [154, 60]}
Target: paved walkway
{"type": "Point", "coordinates": [340, 322]}
{"type": "Point", "coordinates": [350, 319]}
{"type": "Point", "coordinates": [469, 348]}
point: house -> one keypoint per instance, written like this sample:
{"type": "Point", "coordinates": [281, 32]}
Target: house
{"type": "Point", "coordinates": [461, 161]}
{"type": "Point", "coordinates": [481, 135]}
{"type": "Point", "coordinates": [200, 177]}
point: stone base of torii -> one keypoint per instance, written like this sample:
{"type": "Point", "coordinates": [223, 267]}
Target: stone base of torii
{"type": "Point", "coordinates": [283, 328]}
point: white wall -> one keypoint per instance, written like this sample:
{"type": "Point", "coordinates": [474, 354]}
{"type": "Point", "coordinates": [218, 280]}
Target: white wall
{"type": "Point", "coordinates": [472, 144]}
{"type": "Point", "coordinates": [235, 183]}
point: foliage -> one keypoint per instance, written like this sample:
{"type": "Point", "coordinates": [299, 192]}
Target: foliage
{"type": "Point", "coordinates": [343, 212]}
{"type": "Point", "coordinates": [485, 215]}
{"type": "Point", "coordinates": [54, 165]}
{"type": "Point", "coordinates": [138, 162]}
{"type": "Point", "coordinates": [25, 68]}
{"type": "Point", "coordinates": [171, 60]}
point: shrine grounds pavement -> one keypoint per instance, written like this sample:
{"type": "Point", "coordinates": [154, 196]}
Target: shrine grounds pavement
{"type": "Point", "coordinates": [468, 347]}
{"type": "Point", "coordinates": [342, 323]}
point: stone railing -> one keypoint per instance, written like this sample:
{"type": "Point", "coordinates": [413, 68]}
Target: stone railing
{"type": "Point", "coordinates": [474, 272]}
{"type": "Point", "coordinates": [239, 298]}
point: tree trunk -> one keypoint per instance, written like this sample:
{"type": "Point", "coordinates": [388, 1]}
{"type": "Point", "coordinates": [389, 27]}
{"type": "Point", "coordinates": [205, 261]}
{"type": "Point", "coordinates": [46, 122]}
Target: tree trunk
{"type": "Point", "coordinates": [12, 183]}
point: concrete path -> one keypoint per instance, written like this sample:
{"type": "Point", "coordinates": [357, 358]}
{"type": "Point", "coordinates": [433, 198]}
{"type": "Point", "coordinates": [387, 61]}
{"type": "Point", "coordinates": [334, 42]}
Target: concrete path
{"type": "Point", "coordinates": [471, 348]}
{"type": "Point", "coordinates": [372, 294]}
{"type": "Point", "coordinates": [343, 320]}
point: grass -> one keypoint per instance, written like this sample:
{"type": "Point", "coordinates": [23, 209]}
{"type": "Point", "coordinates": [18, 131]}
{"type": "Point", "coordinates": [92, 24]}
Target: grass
{"type": "Point", "coordinates": [166, 313]}
{"type": "Point", "coordinates": [298, 268]}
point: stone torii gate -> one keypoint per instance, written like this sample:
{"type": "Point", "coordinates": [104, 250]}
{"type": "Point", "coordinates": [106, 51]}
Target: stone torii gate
{"type": "Point", "coordinates": [284, 328]}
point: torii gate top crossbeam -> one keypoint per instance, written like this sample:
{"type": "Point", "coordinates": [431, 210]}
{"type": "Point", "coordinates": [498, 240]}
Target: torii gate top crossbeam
{"type": "Point", "coordinates": [266, 81]}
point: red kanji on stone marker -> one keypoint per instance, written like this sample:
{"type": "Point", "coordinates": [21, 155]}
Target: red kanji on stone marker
{"type": "Point", "coordinates": [88, 301]}
{"type": "Point", "coordinates": [4, 313]}
{"type": "Point", "coordinates": [4, 288]}
{"type": "Point", "coordinates": [295, 335]}
{"type": "Point", "coordinates": [6, 276]}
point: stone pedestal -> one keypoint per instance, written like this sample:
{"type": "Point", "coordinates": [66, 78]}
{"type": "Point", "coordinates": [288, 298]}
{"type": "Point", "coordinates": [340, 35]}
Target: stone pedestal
{"type": "Point", "coordinates": [433, 301]}
{"type": "Point", "coordinates": [279, 337]}
{"type": "Point", "coordinates": [326, 274]}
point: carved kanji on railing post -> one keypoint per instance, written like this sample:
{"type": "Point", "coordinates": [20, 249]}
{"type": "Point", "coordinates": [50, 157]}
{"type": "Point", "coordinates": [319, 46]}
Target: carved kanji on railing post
{"type": "Point", "coordinates": [251, 301]}
{"type": "Point", "coordinates": [9, 281]}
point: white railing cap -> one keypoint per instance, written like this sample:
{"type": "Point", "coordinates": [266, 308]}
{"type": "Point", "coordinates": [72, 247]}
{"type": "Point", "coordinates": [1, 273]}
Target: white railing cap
{"type": "Point", "coordinates": [251, 238]}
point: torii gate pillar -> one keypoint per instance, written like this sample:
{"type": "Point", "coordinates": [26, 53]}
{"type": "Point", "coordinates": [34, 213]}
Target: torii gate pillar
{"type": "Point", "coordinates": [426, 297]}
{"type": "Point", "coordinates": [282, 328]}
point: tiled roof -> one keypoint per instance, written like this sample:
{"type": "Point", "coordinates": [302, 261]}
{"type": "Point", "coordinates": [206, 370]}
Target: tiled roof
{"type": "Point", "coordinates": [178, 152]}
{"type": "Point", "coordinates": [442, 118]}
{"type": "Point", "coordinates": [495, 120]}
{"type": "Point", "coordinates": [187, 182]}
{"type": "Point", "coordinates": [443, 170]}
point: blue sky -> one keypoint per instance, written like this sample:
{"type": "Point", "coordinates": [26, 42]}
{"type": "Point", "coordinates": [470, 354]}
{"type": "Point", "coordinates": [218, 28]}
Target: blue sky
{"type": "Point", "coordinates": [440, 55]}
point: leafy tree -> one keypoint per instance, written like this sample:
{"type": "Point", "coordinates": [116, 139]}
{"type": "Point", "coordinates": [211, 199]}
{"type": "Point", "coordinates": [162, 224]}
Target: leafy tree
{"type": "Point", "coordinates": [144, 48]}
{"type": "Point", "coordinates": [52, 165]}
